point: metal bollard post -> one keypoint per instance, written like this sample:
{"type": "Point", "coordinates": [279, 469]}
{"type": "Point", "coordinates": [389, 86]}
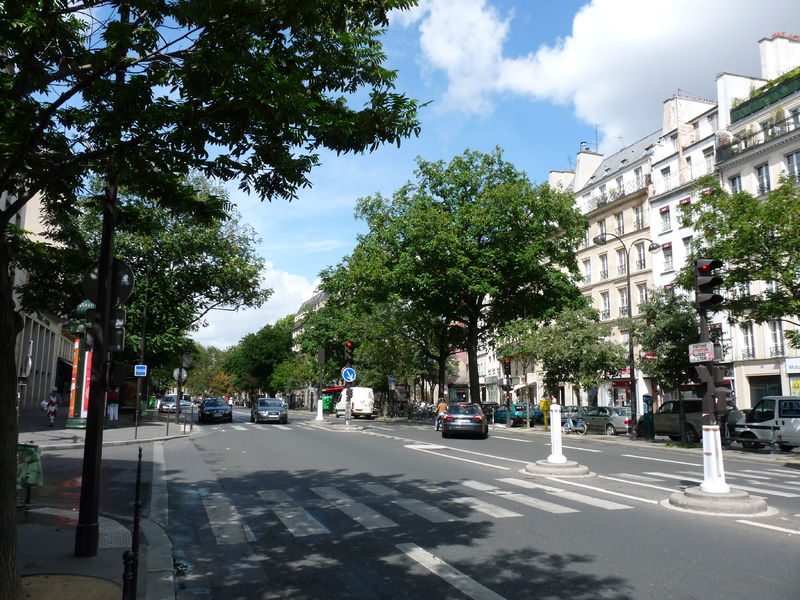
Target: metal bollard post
{"type": "Point", "coordinates": [127, 576]}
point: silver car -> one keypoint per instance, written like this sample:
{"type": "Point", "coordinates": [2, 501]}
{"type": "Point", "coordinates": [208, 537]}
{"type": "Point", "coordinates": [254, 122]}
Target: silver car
{"type": "Point", "coordinates": [610, 420]}
{"type": "Point", "coordinates": [269, 410]}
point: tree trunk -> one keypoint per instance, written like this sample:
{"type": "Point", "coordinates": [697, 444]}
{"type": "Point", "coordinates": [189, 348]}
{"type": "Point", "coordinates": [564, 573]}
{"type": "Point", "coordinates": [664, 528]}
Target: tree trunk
{"type": "Point", "coordinates": [472, 358]}
{"type": "Point", "coordinates": [10, 326]}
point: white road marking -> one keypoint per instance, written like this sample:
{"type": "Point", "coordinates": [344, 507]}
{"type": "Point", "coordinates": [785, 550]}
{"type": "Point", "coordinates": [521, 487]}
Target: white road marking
{"type": "Point", "coordinates": [746, 474]}
{"type": "Point", "coordinates": [575, 497]}
{"type": "Point", "coordinates": [248, 533]}
{"type": "Point", "coordinates": [425, 510]}
{"type": "Point", "coordinates": [765, 526]}
{"type": "Point", "coordinates": [636, 477]}
{"type": "Point", "coordinates": [676, 462]}
{"type": "Point", "coordinates": [239, 427]}
{"type": "Point", "coordinates": [556, 509]}
{"type": "Point", "coordinates": [379, 489]}
{"type": "Point", "coordinates": [500, 437]}
{"type": "Point", "coordinates": [224, 519]}
{"type": "Point", "coordinates": [524, 462]}
{"type": "Point", "coordinates": [474, 462]}
{"type": "Point", "coordinates": [746, 488]}
{"type": "Point", "coordinates": [297, 520]}
{"type": "Point", "coordinates": [492, 510]}
{"type": "Point", "coordinates": [383, 428]}
{"type": "Point", "coordinates": [648, 485]}
{"type": "Point", "coordinates": [466, 585]}
{"type": "Point", "coordinates": [360, 513]}
{"type": "Point", "coordinates": [788, 472]}
{"type": "Point", "coordinates": [424, 447]}
{"type": "Point", "coordinates": [601, 490]}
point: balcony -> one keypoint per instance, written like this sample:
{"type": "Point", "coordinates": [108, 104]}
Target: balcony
{"type": "Point", "coordinates": [748, 354]}
{"type": "Point", "coordinates": [622, 270]}
{"type": "Point", "coordinates": [624, 311]}
{"type": "Point", "coordinates": [604, 274]}
{"type": "Point", "coordinates": [620, 230]}
{"type": "Point", "coordinates": [773, 94]}
{"type": "Point", "coordinates": [605, 314]}
{"type": "Point", "coordinates": [641, 265]}
{"type": "Point", "coordinates": [746, 140]}
{"type": "Point", "coordinates": [587, 279]}
{"type": "Point", "coordinates": [776, 350]}
{"type": "Point", "coordinates": [638, 224]}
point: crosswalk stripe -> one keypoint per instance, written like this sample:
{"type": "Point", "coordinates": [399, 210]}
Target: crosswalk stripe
{"type": "Point", "coordinates": [746, 488]}
{"type": "Point", "coordinates": [627, 496]}
{"type": "Point", "coordinates": [297, 520]}
{"type": "Point", "coordinates": [487, 508]}
{"type": "Point", "coordinates": [283, 427]}
{"type": "Point", "coordinates": [239, 427]}
{"type": "Point", "coordinates": [224, 519]}
{"type": "Point", "coordinates": [574, 496]}
{"type": "Point", "coordinates": [556, 509]}
{"type": "Point", "coordinates": [636, 477]}
{"type": "Point", "coordinates": [379, 489]}
{"type": "Point", "coordinates": [786, 472]}
{"type": "Point", "coordinates": [425, 510]}
{"type": "Point", "coordinates": [639, 483]}
{"type": "Point", "coordinates": [360, 513]}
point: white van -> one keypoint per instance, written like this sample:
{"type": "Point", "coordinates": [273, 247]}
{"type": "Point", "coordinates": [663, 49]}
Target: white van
{"type": "Point", "coordinates": [774, 420]}
{"type": "Point", "coordinates": [363, 403]}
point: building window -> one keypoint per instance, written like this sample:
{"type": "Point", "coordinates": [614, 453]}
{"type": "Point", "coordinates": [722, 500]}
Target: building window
{"type": "Point", "coordinates": [762, 174]}
{"type": "Point", "coordinates": [624, 306]}
{"type": "Point", "coordinates": [622, 263]}
{"type": "Point", "coordinates": [775, 338]}
{"type": "Point", "coordinates": [666, 175]}
{"type": "Point", "coordinates": [735, 183]}
{"type": "Point", "coordinates": [748, 341]}
{"type": "Point", "coordinates": [641, 256]}
{"type": "Point", "coordinates": [620, 188]}
{"type": "Point", "coordinates": [637, 174]}
{"type": "Point", "coordinates": [620, 218]}
{"type": "Point", "coordinates": [666, 221]}
{"type": "Point", "coordinates": [638, 218]}
{"type": "Point", "coordinates": [793, 165]}
{"type": "Point", "coordinates": [603, 194]}
{"type": "Point", "coordinates": [687, 245]}
{"type": "Point", "coordinates": [689, 171]}
{"type": "Point", "coordinates": [586, 239]}
{"type": "Point", "coordinates": [667, 253]}
{"type": "Point", "coordinates": [708, 158]}
{"type": "Point", "coordinates": [604, 266]}
{"type": "Point", "coordinates": [605, 301]}
{"type": "Point", "coordinates": [641, 290]}
{"type": "Point", "coordinates": [587, 271]}
{"type": "Point", "coordinates": [601, 226]}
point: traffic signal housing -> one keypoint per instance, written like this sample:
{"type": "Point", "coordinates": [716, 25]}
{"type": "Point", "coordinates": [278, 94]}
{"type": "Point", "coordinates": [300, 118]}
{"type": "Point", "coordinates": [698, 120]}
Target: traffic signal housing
{"type": "Point", "coordinates": [705, 281]}
{"type": "Point", "coordinates": [348, 352]}
{"type": "Point", "coordinates": [507, 366]}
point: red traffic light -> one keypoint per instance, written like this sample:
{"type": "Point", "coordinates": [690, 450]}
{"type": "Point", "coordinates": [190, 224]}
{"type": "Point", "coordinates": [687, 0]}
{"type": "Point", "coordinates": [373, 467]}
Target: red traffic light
{"type": "Point", "coordinates": [348, 344]}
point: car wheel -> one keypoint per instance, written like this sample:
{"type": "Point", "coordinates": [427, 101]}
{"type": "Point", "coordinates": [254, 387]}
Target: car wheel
{"type": "Point", "coordinates": [785, 447]}
{"type": "Point", "coordinates": [445, 434]}
{"type": "Point", "coordinates": [674, 438]}
{"type": "Point", "coordinates": [750, 445]}
{"type": "Point", "coordinates": [691, 435]}
{"type": "Point", "coordinates": [611, 430]}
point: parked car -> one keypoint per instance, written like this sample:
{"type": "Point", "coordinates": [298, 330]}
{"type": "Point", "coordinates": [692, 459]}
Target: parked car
{"type": "Point", "coordinates": [168, 404]}
{"type": "Point", "coordinates": [666, 420]}
{"type": "Point", "coordinates": [269, 410]}
{"type": "Point", "coordinates": [465, 418]}
{"type": "Point", "coordinates": [516, 414]}
{"type": "Point", "coordinates": [574, 411]}
{"type": "Point", "coordinates": [774, 419]}
{"type": "Point", "coordinates": [215, 409]}
{"type": "Point", "coordinates": [489, 409]}
{"type": "Point", "coordinates": [610, 420]}
{"type": "Point", "coordinates": [363, 399]}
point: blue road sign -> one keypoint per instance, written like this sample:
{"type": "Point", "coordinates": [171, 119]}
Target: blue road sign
{"type": "Point", "coordinates": [140, 371]}
{"type": "Point", "coordinates": [349, 374]}
{"type": "Point", "coordinates": [392, 379]}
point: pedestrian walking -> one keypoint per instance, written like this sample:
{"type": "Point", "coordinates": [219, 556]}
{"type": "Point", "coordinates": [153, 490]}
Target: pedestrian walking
{"type": "Point", "coordinates": [112, 400]}
{"type": "Point", "coordinates": [51, 406]}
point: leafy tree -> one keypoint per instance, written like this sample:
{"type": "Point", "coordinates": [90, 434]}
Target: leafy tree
{"type": "Point", "coordinates": [758, 239]}
{"type": "Point", "coordinates": [252, 361]}
{"type": "Point", "coordinates": [206, 365]}
{"type": "Point", "coordinates": [573, 347]}
{"type": "Point", "coordinates": [294, 373]}
{"type": "Point", "coordinates": [476, 244]}
{"type": "Point", "coordinates": [221, 384]}
{"type": "Point", "coordinates": [247, 90]}
{"type": "Point", "coordinates": [668, 325]}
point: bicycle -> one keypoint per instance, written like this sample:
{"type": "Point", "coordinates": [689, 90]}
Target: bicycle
{"type": "Point", "coordinates": [578, 426]}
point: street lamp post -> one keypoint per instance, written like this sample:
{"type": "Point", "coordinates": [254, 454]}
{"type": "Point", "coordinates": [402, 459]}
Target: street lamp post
{"type": "Point", "coordinates": [601, 240]}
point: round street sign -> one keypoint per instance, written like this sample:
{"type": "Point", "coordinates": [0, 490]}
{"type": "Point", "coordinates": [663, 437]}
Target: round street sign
{"type": "Point", "coordinates": [349, 374]}
{"type": "Point", "coordinates": [180, 375]}
{"type": "Point", "coordinates": [121, 286]}
{"type": "Point", "coordinates": [392, 379]}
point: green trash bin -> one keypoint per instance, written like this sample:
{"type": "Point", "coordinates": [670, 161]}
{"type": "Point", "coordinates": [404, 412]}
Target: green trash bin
{"type": "Point", "coordinates": [327, 403]}
{"type": "Point", "coordinates": [29, 468]}
{"type": "Point", "coordinates": [649, 427]}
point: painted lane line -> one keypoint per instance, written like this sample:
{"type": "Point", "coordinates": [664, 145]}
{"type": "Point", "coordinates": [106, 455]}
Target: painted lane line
{"type": "Point", "coordinates": [494, 511]}
{"type": "Point", "coordinates": [579, 449]}
{"type": "Point", "coordinates": [425, 446]}
{"type": "Point", "coordinates": [745, 474]}
{"type": "Point", "coordinates": [636, 477]}
{"type": "Point", "coordinates": [425, 510]}
{"type": "Point", "coordinates": [283, 427]}
{"type": "Point", "coordinates": [297, 520]}
{"type": "Point", "coordinates": [575, 497]}
{"type": "Point", "coordinates": [239, 427]}
{"type": "Point", "coordinates": [765, 526]}
{"type": "Point", "coordinates": [789, 472]}
{"type": "Point", "coordinates": [474, 462]}
{"type": "Point", "coordinates": [524, 462]}
{"type": "Point", "coordinates": [383, 428]}
{"type": "Point", "coordinates": [746, 488]}
{"type": "Point", "coordinates": [362, 514]}
{"type": "Point", "coordinates": [675, 462]}
{"type": "Point", "coordinates": [647, 485]}
{"type": "Point", "coordinates": [466, 585]}
{"type": "Point", "coordinates": [603, 491]}
{"type": "Point", "coordinates": [500, 437]}
{"type": "Point", "coordinates": [550, 507]}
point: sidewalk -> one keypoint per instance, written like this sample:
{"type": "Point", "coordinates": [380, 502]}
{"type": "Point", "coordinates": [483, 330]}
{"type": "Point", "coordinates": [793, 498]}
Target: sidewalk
{"type": "Point", "coordinates": [46, 528]}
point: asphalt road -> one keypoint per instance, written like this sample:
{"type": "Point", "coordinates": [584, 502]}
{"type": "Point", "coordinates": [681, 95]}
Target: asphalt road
{"type": "Point", "coordinates": [395, 511]}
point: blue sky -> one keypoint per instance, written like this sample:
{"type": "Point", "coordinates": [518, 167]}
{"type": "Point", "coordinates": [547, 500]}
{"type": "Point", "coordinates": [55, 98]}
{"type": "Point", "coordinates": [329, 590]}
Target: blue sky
{"type": "Point", "coordinates": [534, 77]}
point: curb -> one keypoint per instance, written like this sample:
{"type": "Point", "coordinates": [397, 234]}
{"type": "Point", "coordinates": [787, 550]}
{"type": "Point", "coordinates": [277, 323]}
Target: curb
{"type": "Point", "coordinates": [79, 445]}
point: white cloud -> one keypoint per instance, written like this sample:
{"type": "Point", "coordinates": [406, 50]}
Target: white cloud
{"type": "Point", "coordinates": [225, 328]}
{"type": "Point", "coordinates": [620, 61]}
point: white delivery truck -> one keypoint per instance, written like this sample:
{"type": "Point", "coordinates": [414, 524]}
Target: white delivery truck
{"type": "Point", "coordinates": [363, 403]}
{"type": "Point", "coordinates": [774, 420]}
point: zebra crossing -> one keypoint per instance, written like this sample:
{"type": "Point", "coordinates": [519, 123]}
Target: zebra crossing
{"type": "Point", "coordinates": [334, 510]}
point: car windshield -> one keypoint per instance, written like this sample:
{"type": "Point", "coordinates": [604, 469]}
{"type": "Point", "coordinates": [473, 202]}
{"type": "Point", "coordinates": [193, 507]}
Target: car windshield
{"type": "Point", "coordinates": [464, 409]}
{"type": "Point", "coordinates": [269, 403]}
{"type": "Point", "coordinates": [213, 402]}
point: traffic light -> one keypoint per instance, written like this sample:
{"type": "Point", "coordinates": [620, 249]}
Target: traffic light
{"type": "Point", "coordinates": [705, 380]}
{"type": "Point", "coordinates": [348, 352]}
{"type": "Point", "coordinates": [507, 366]}
{"type": "Point", "coordinates": [705, 280]}
{"type": "Point", "coordinates": [186, 359]}
{"type": "Point", "coordinates": [116, 330]}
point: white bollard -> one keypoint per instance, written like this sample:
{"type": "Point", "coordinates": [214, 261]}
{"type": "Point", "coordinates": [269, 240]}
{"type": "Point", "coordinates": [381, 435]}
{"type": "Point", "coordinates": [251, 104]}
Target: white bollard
{"type": "Point", "coordinates": [713, 471]}
{"type": "Point", "coordinates": [557, 456]}
{"type": "Point", "coordinates": [319, 410]}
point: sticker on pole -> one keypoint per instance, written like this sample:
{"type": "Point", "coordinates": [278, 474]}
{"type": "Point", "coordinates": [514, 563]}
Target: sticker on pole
{"type": "Point", "coordinates": [702, 352]}
{"type": "Point", "coordinates": [349, 374]}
